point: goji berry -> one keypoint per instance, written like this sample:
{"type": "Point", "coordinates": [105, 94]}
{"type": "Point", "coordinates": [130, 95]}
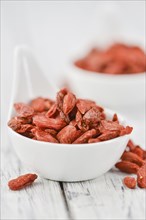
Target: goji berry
{"type": "Point", "coordinates": [130, 182]}
{"type": "Point", "coordinates": [22, 181]}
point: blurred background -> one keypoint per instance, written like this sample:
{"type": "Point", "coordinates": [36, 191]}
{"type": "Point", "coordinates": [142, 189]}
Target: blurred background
{"type": "Point", "coordinates": [57, 29]}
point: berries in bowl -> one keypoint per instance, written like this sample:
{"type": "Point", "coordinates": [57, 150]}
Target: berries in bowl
{"type": "Point", "coordinates": [111, 76]}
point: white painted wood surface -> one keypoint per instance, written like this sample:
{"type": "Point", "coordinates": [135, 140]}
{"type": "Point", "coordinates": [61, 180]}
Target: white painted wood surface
{"type": "Point", "coordinates": [101, 198]}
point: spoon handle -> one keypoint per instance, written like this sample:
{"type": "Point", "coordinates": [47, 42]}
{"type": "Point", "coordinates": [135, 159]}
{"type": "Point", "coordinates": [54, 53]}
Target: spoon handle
{"type": "Point", "coordinates": [29, 81]}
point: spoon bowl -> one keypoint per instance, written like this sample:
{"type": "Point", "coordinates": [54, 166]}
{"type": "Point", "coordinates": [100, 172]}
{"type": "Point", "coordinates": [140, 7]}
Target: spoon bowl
{"type": "Point", "coordinates": [60, 162]}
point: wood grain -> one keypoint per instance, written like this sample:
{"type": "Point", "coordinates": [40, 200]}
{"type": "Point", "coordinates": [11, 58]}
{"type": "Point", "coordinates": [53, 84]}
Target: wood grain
{"type": "Point", "coordinates": [105, 198]}
{"type": "Point", "coordinates": [43, 200]}
{"type": "Point", "coordinates": [101, 198]}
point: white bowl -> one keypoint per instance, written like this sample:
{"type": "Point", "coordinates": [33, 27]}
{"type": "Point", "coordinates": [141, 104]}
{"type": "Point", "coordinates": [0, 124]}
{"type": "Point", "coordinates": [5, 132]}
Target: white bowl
{"type": "Point", "coordinates": [111, 91]}
{"type": "Point", "coordinates": [69, 162]}
{"type": "Point", "coordinates": [61, 162]}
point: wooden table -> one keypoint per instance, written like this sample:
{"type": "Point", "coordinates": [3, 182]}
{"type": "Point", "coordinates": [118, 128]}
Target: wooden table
{"type": "Point", "coordinates": [103, 198]}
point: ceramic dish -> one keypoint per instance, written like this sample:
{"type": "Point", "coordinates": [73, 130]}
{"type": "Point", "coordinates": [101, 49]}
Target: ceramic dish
{"type": "Point", "coordinates": [60, 162]}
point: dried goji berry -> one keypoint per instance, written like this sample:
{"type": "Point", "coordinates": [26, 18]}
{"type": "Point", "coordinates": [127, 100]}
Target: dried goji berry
{"type": "Point", "coordinates": [43, 136]}
{"type": "Point", "coordinates": [64, 117]}
{"type": "Point", "coordinates": [82, 125]}
{"type": "Point", "coordinates": [110, 125]}
{"type": "Point", "coordinates": [84, 105]}
{"type": "Point", "coordinates": [38, 104]}
{"type": "Point", "coordinates": [141, 176]}
{"type": "Point", "coordinates": [48, 103]}
{"type": "Point", "coordinates": [43, 122]}
{"type": "Point", "coordinates": [52, 111]}
{"type": "Point", "coordinates": [92, 116]}
{"type": "Point", "coordinates": [68, 134]}
{"type": "Point", "coordinates": [22, 181]}
{"type": "Point", "coordinates": [51, 131]}
{"type": "Point", "coordinates": [126, 130]}
{"type": "Point", "coordinates": [136, 149]}
{"type": "Point", "coordinates": [115, 118]}
{"type": "Point", "coordinates": [129, 156]}
{"type": "Point", "coordinates": [17, 122]}
{"type": "Point", "coordinates": [60, 97]}
{"type": "Point", "coordinates": [78, 117]}
{"type": "Point", "coordinates": [127, 167]}
{"type": "Point", "coordinates": [131, 145]}
{"type": "Point", "coordinates": [140, 152]}
{"type": "Point", "coordinates": [24, 128]}
{"type": "Point", "coordinates": [107, 135]}
{"type": "Point", "coordinates": [23, 110]}
{"type": "Point", "coordinates": [130, 182]}
{"type": "Point", "coordinates": [85, 137]}
{"type": "Point", "coordinates": [14, 123]}
{"type": "Point", "coordinates": [69, 102]}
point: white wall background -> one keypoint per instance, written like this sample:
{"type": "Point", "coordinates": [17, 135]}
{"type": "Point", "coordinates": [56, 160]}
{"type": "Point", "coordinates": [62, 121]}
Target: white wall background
{"type": "Point", "coordinates": [55, 29]}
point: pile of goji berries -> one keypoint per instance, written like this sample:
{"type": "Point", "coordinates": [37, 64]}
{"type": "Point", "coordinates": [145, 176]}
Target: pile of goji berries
{"type": "Point", "coordinates": [117, 59]}
{"type": "Point", "coordinates": [68, 120]}
{"type": "Point", "coordinates": [133, 161]}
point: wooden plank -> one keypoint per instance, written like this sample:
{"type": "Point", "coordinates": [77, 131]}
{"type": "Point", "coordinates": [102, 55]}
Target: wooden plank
{"type": "Point", "coordinates": [102, 198]}
{"type": "Point", "coordinates": [43, 200]}
{"type": "Point", "coordinates": [80, 202]}
{"type": "Point", "coordinates": [105, 198]}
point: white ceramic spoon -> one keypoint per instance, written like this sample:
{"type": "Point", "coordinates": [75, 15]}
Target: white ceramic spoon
{"type": "Point", "coordinates": [60, 162]}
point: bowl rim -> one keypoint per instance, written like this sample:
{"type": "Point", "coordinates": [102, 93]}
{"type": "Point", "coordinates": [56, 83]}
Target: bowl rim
{"type": "Point", "coordinates": [86, 145]}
